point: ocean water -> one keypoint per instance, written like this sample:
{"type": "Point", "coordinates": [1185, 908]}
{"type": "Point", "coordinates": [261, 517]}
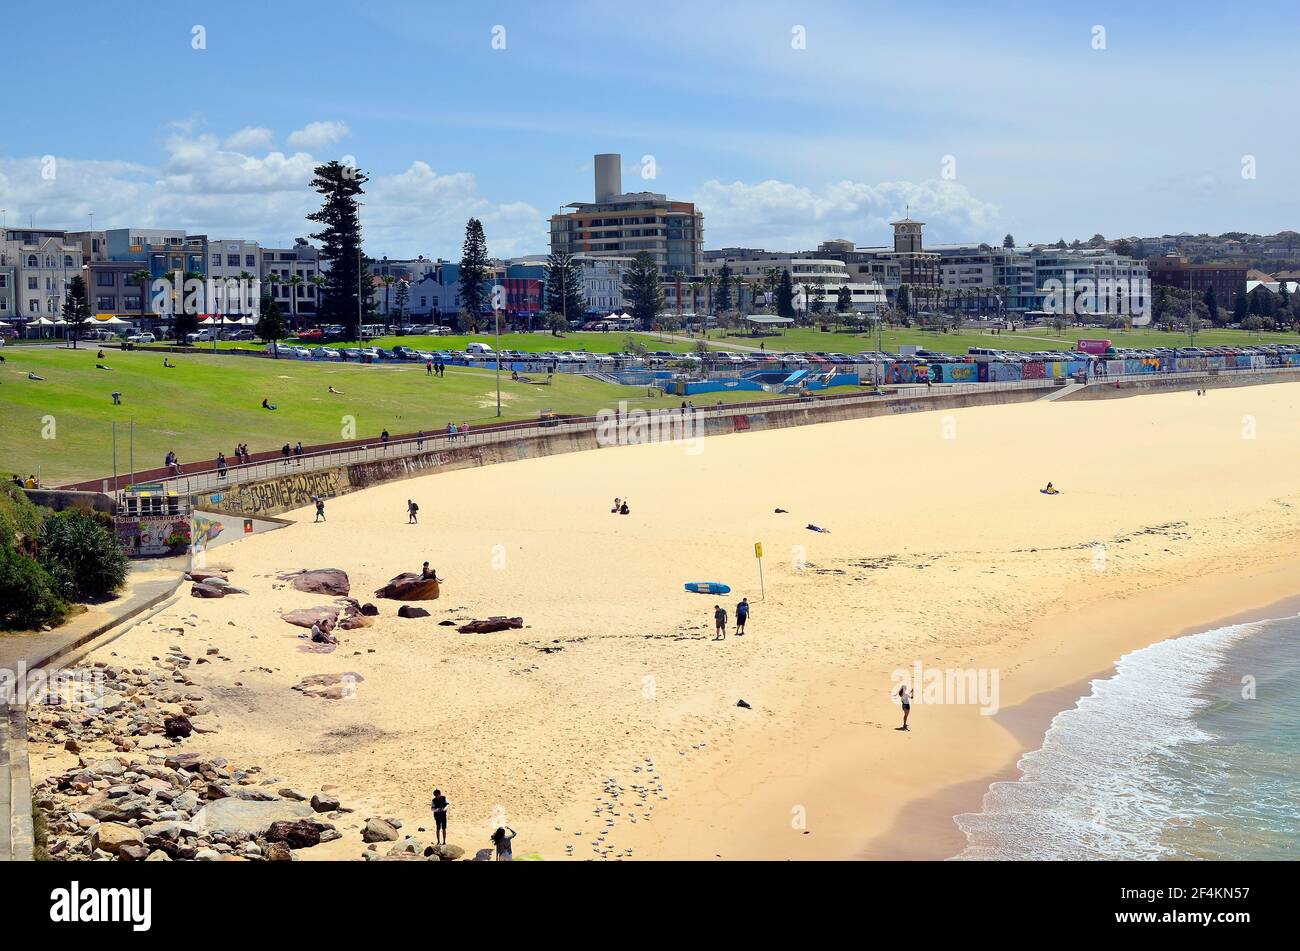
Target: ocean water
{"type": "Point", "coordinates": [1191, 750]}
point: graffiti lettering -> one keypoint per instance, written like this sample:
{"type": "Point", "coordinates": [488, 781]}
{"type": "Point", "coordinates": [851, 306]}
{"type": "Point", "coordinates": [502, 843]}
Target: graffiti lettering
{"type": "Point", "coordinates": [277, 495]}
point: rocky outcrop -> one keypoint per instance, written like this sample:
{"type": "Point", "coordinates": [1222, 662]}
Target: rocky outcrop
{"type": "Point", "coordinates": [306, 617]}
{"type": "Point", "coordinates": [494, 623]}
{"type": "Point", "coordinates": [329, 686]}
{"type": "Point", "coordinates": [320, 581]}
{"type": "Point", "coordinates": [410, 586]}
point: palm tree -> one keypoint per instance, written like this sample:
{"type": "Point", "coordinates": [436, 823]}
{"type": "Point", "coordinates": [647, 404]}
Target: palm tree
{"type": "Point", "coordinates": [317, 281]}
{"type": "Point", "coordinates": [294, 283]}
{"type": "Point", "coordinates": [144, 279]}
{"type": "Point", "coordinates": [708, 293]}
{"type": "Point", "coordinates": [388, 280]}
{"type": "Point", "coordinates": [678, 277]}
{"type": "Point", "coordinates": [273, 278]}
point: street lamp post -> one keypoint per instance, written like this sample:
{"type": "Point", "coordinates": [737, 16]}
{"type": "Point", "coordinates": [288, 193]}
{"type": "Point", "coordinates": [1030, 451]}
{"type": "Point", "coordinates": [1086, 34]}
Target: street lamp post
{"type": "Point", "coordinates": [496, 316]}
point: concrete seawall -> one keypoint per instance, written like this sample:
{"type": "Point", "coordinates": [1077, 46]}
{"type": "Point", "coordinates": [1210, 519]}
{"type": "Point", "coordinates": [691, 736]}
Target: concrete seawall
{"type": "Point", "coordinates": [17, 840]}
{"type": "Point", "coordinates": [1103, 390]}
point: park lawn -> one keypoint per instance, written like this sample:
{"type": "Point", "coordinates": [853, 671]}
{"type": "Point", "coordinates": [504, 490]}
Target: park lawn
{"type": "Point", "coordinates": [807, 339]}
{"type": "Point", "coordinates": [61, 428]}
{"type": "Point", "coordinates": [592, 342]}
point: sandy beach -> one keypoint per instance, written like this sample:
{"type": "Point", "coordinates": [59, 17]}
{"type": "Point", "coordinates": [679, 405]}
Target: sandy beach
{"type": "Point", "coordinates": [1176, 511]}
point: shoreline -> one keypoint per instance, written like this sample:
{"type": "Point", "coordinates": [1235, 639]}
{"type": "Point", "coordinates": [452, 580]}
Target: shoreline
{"type": "Point", "coordinates": [1029, 721]}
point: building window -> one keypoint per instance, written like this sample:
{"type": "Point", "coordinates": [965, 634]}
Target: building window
{"type": "Point", "coordinates": [105, 304]}
{"type": "Point", "coordinates": [104, 279]}
{"type": "Point", "coordinates": [31, 261]}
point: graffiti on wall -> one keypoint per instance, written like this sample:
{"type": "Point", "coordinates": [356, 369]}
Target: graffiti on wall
{"type": "Point", "coordinates": [151, 536]}
{"type": "Point", "coordinates": [277, 495]}
{"type": "Point", "coordinates": [364, 474]}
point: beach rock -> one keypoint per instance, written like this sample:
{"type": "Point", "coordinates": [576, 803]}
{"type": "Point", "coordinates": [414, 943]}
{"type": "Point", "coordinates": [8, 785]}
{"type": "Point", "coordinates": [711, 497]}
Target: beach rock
{"type": "Point", "coordinates": [350, 622]}
{"type": "Point", "coordinates": [369, 610]}
{"type": "Point", "coordinates": [407, 610]}
{"type": "Point", "coordinates": [742, 703]}
{"type": "Point", "coordinates": [306, 617]}
{"type": "Point", "coordinates": [410, 586]}
{"type": "Point", "coordinates": [131, 852]}
{"type": "Point", "coordinates": [329, 686]}
{"type": "Point", "coordinates": [158, 856]}
{"type": "Point", "coordinates": [446, 853]}
{"type": "Point", "coordinates": [494, 623]}
{"type": "Point", "coordinates": [297, 834]}
{"type": "Point", "coordinates": [278, 852]}
{"type": "Point", "coordinates": [324, 802]}
{"type": "Point", "coordinates": [320, 581]}
{"type": "Point", "coordinates": [243, 817]}
{"type": "Point", "coordinates": [377, 830]}
{"type": "Point", "coordinates": [178, 726]}
{"type": "Point", "coordinates": [199, 574]}
{"type": "Point", "coordinates": [111, 836]}
{"type": "Point", "coordinates": [186, 761]}
{"type": "Point", "coordinates": [203, 590]}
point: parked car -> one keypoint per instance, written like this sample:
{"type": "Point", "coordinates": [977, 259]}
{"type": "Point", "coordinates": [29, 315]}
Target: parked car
{"type": "Point", "coordinates": [142, 338]}
{"type": "Point", "coordinates": [243, 334]}
{"type": "Point", "coordinates": [325, 353]}
{"type": "Point", "coordinates": [311, 334]}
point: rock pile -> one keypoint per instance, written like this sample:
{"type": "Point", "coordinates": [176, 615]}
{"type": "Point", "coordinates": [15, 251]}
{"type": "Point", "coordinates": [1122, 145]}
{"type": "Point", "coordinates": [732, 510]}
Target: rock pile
{"type": "Point", "coordinates": [494, 623]}
{"type": "Point", "coordinates": [410, 586]}
{"type": "Point", "coordinates": [320, 581]}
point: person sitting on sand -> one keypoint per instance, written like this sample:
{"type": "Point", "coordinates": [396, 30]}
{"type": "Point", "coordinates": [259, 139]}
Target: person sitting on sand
{"type": "Point", "coordinates": [1050, 490]}
{"type": "Point", "coordinates": [618, 503]}
{"type": "Point", "coordinates": [167, 364]}
{"type": "Point", "coordinates": [623, 509]}
{"type": "Point", "coordinates": [501, 839]}
{"type": "Point", "coordinates": [100, 355]}
{"type": "Point", "coordinates": [267, 404]}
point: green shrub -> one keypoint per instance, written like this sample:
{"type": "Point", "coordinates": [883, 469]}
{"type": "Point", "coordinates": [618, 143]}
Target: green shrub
{"type": "Point", "coordinates": [28, 595]}
{"type": "Point", "coordinates": [18, 514]}
{"type": "Point", "coordinates": [82, 556]}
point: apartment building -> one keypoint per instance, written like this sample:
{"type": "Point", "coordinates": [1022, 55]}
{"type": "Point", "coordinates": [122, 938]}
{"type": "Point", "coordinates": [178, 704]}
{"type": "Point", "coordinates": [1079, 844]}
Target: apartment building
{"type": "Point", "coordinates": [1090, 281]}
{"type": "Point", "coordinates": [8, 287]}
{"type": "Point", "coordinates": [234, 277]}
{"type": "Point", "coordinates": [1173, 270]}
{"type": "Point", "coordinates": [290, 276]}
{"type": "Point", "coordinates": [45, 263]}
{"type": "Point", "coordinates": [619, 224]}
{"type": "Point", "coordinates": [114, 289]}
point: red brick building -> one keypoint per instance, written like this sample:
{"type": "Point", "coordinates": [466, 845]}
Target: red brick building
{"type": "Point", "coordinates": [1228, 280]}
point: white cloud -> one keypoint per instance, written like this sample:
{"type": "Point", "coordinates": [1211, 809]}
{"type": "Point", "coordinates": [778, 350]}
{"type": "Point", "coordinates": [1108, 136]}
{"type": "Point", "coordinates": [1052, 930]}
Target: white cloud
{"type": "Point", "coordinates": [249, 139]}
{"type": "Point", "coordinates": [317, 135]}
{"type": "Point", "coordinates": [782, 216]}
{"type": "Point", "coordinates": [205, 185]}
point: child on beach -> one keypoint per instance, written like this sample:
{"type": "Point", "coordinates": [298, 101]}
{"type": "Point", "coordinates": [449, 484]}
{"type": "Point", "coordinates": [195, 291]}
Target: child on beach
{"type": "Point", "coordinates": [501, 839]}
{"type": "Point", "coordinates": [905, 695]}
{"type": "Point", "coordinates": [720, 621]}
{"type": "Point", "coordinates": [440, 805]}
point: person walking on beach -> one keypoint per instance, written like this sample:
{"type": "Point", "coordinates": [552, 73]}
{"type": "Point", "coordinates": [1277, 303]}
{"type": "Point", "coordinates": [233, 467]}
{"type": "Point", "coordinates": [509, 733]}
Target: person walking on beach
{"type": "Point", "coordinates": [320, 508]}
{"type": "Point", "coordinates": [742, 615]}
{"type": "Point", "coordinates": [905, 696]}
{"type": "Point", "coordinates": [440, 805]}
{"type": "Point", "coordinates": [412, 513]}
{"type": "Point", "coordinates": [502, 839]}
{"type": "Point", "coordinates": [720, 622]}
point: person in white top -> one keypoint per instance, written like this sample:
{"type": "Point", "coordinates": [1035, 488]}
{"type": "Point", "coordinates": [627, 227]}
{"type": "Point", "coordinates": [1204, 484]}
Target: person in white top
{"type": "Point", "coordinates": [905, 695]}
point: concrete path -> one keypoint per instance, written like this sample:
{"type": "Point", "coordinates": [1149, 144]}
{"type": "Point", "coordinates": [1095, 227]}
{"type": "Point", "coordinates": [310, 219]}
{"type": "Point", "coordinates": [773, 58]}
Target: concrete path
{"type": "Point", "coordinates": [148, 583]}
{"type": "Point", "coordinates": [17, 839]}
{"type": "Point", "coordinates": [1061, 391]}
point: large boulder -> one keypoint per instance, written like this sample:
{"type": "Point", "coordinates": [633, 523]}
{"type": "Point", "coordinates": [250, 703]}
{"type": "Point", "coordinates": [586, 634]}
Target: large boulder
{"type": "Point", "coordinates": [296, 834]}
{"type": "Point", "coordinates": [320, 581]}
{"type": "Point", "coordinates": [205, 590]}
{"type": "Point", "coordinates": [494, 623]}
{"type": "Point", "coordinates": [111, 836]}
{"type": "Point", "coordinates": [410, 586]}
{"type": "Point", "coordinates": [407, 610]}
{"type": "Point", "coordinates": [178, 726]}
{"type": "Point", "coordinates": [377, 830]}
{"type": "Point", "coordinates": [236, 817]}
{"type": "Point", "coordinates": [306, 617]}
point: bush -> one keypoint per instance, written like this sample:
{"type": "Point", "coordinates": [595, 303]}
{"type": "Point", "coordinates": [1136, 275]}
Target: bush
{"type": "Point", "coordinates": [28, 595]}
{"type": "Point", "coordinates": [82, 556]}
{"type": "Point", "coordinates": [18, 516]}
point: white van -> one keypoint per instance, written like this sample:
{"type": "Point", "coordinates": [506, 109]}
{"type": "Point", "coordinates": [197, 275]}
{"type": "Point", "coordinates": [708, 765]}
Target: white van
{"type": "Point", "coordinates": [479, 351]}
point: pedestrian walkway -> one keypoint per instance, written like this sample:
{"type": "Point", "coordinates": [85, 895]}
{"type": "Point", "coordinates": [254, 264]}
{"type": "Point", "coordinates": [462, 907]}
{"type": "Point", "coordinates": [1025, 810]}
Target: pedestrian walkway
{"type": "Point", "coordinates": [1061, 391]}
{"type": "Point", "coordinates": [17, 839]}
{"type": "Point", "coordinates": [147, 584]}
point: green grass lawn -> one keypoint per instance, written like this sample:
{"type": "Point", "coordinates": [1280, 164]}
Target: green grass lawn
{"type": "Point", "coordinates": [806, 339]}
{"type": "Point", "coordinates": [529, 343]}
{"type": "Point", "coordinates": [210, 403]}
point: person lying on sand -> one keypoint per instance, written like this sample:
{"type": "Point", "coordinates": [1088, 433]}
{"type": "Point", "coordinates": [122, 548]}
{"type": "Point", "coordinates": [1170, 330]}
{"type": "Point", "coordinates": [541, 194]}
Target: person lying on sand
{"type": "Point", "coordinates": [817, 528]}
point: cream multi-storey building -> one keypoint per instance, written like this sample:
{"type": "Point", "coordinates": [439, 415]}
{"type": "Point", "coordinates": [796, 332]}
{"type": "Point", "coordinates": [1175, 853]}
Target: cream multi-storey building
{"type": "Point", "coordinates": [46, 261]}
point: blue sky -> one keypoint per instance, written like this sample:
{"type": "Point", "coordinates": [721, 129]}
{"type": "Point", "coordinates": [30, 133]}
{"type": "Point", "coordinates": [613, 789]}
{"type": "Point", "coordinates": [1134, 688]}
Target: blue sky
{"type": "Point", "coordinates": [985, 118]}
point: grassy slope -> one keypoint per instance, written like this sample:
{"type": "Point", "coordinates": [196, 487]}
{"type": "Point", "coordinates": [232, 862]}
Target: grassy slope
{"type": "Point", "coordinates": [209, 403]}
{"type": "Point", "coordinates": [529, 343]}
